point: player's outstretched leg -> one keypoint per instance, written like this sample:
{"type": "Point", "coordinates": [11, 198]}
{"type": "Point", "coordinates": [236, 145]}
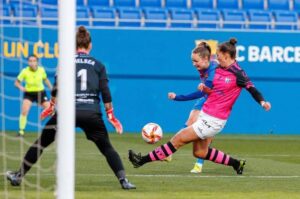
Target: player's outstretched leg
{"type": "Point", "coordinates": [160, 153]}
{"type": "Point", "coordinates": [198, 166]}
{"type": "Point", "coordinates": [220, 157]}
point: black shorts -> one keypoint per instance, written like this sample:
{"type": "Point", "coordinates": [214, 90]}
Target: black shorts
{"type": "Point", "coordinates": [39, 97]}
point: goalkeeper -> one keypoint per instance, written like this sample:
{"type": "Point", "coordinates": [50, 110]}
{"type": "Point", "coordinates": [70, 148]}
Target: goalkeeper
{"type": "Point", "coordinates": [91, 80]}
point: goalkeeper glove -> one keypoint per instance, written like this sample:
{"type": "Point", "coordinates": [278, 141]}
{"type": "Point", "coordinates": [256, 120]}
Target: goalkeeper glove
{"type": "Point", "coordinates": [48, 111]}
{"type": "Point", "coordinates": [114, 121]}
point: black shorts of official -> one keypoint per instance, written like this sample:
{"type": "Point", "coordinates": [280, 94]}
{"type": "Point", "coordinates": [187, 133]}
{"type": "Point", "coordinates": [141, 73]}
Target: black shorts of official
{"type": "Point", "coordinates": [38, 97]}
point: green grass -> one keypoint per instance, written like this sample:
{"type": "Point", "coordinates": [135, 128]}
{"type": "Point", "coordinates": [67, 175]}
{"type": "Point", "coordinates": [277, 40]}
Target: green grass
{"type": "Point", "coordinates": [272, 170]}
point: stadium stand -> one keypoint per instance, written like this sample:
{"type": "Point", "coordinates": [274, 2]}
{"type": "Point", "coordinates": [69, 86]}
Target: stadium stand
{"type": "Point", "coordinates": [82, 14]}
{"type": "Point", "coordinates": [285, 17]}
{"type": "Point", "coordinates": [260, 19]}
{"type": "Point", "coordinates": [227, 4]}
{"type": "Point", "coordinates": [278, 4]}
{"type": "Point", "coordinates": [176, 4]}
{"type": "Point", "coordinates": [208, 18]}
{"type": "Point", "coordinates": [253, 4]}
{"type": "Point", "coordinates": [155, 17]}
{"type": "Point", "coordinates": [234, 19]}
{"type": "Point", "coordinates": [181, 18]}
{"type": "Point", "coordinates": [150, 3]}
{"type": "Point", "coordinates": [130, 17]}
{"type": "Point", "coordinates": [103, 16]}
{"type": "Point", "coordinates": [5, 12]}
{"type": "Point", "coordinates": [103, 3]}
{"type": "Point", "coordinates": [27, 13]}
{"type": "Point", "coordinates": [124, 3]}
{"type": "Point", "coordinates": [202, 4]}
{"type": "Point", "coordinates": [49, 15]}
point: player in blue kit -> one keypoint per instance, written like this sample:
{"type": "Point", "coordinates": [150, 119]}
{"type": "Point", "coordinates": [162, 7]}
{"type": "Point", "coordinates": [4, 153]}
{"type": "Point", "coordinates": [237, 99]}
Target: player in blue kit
{"type": "Point", "coordinates": [91, 81]}
{"type": "Point", "coordinates": [201, 60]}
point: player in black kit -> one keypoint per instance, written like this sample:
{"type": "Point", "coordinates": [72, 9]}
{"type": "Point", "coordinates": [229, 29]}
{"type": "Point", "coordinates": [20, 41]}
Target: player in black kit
{"type": "Point", "coordinates": [91, 80]}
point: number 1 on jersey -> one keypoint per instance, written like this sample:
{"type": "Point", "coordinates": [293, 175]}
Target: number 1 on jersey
{"type": "Point", "coordinates": [83, 79]}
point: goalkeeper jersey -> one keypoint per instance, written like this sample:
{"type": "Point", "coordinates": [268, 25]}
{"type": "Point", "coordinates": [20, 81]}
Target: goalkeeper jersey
{"type": "Point", "coordinates": [33, 79]}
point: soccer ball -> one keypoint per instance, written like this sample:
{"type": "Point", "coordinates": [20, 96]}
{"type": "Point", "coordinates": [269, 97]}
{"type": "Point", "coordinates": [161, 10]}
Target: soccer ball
{"type": "Point", "coordinates": [152, 133]}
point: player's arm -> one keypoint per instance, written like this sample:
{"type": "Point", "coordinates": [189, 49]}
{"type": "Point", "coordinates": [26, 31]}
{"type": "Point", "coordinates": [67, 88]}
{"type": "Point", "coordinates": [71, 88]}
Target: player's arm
{"type": "Point", "coordinates": [51, 109]}
{"type": "Point", "coordinates": [191, 96]}
{"type": "Point", "coordinates": [48, 83]}
{"type": "Point", "coordinates": [107, 100]}
{"type": "Point", "coordinates": [244, 81]}
{"type": "Point", "coordinates": [19, 85]}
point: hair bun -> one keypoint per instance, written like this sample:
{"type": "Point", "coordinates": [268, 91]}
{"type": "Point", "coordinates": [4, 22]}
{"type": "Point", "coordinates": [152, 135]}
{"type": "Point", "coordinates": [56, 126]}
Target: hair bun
{"type": "Point", "coordinates": [82, 29]}
{"type": "Point", "coordinates": [233, 41]}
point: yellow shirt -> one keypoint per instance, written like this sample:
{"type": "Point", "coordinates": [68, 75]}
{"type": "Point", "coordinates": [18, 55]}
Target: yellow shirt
{"type": "Point", "coordinates": [33, 79]}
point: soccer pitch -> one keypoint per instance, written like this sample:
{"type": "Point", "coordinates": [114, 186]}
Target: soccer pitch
{"type": "Point", "coordinates": [272, 170]}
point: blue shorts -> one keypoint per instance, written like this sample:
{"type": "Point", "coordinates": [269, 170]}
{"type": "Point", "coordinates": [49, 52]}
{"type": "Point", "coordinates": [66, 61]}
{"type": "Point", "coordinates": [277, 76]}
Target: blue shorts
{"type": "Point", "coordinates": [198, 105]}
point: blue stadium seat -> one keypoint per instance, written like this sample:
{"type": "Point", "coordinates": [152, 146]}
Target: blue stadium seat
{"type": "Point", "coordinates": [82, 15]}
{"type": "Point", "coordinates": [49, 2]}
{"type": "Point", "coordinates": [253, 4]}
{"type": "Point", "coordinates": [278, 4]}
{"type": "Point", "coordinates": [124, 3]}
{"type": "Point", "coordinates": [104, 3]}
{"type": "Point", "coordinates": [181, 18]}
{"type": "Point", "coordinates": [234, 19]}
{"type": "Point", "coordinates": [80, 2]}
{"type": "Point", "coordinates": [176, 4]}
{"type": "Point", "coordinates": [150, 3]}
{"type": "Point", "coordinates": [259, 19]}
{"type": "Point", "coordinates": [208, 4]}
{"type": "Point", "coordinates": [285, 17]}
{"type": "Point", "coordinates": [227, 4]}
{"type": "Point", "coordinates": [103, 16]}
{"type": "Point", "coordinates": [130, 17]}
{"type": "Point", "coordinates": [297, 5]}
{"type": "Point", "coordinates": [25, 11]}
{"type": "Point", "coordinates": [155, 17]}
{"type": "Point", "coordinates": [49, 15]}
{"type": "Point", "coordinates": [5, 11]}
{"type": "Point", "coordinates": [19, 2]}
{"type": "Point", "coordinates": [206, 16]}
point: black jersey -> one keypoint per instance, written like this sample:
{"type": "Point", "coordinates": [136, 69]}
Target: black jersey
{"type": "Point", "coordinates": [90, 77]}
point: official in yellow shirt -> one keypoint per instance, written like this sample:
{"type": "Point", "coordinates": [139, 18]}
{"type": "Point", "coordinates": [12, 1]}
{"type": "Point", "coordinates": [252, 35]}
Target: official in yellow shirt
{"type": "Point", "coordinates": [34, 90]}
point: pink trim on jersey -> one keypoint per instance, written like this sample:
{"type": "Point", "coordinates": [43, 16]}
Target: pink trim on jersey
{"type": "Point", "coordinates": [152, 156]}
{"type": "Point", "coordinates": [224, 94]}
{"type": "Point", "coordinates": [227, 159]}
{"type": "Point", "coordinates": [219, 157]}
{"type": "Point", "coordinates": [168, 149]}
{"type": "Point", "coordinates": [213, 151]}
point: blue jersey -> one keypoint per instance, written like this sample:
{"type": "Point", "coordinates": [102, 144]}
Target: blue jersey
{"type": "Point", "coordinates": [206, 77]}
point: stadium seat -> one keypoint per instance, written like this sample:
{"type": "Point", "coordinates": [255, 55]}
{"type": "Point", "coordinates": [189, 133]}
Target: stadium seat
{"type": "Point", "coordinates": [199, 4]}
{"type": "Point", "coordinates": [176, 4]}
{"type": "Point", "coordinates": [104, 3]}
{"type": "Point", "coordinates": [150, 3]}
{"type": "Point", "coordinates": [278, 4]}
{"type": "Point", "coordinates": [80, 2]}
{"type": "Point", "coordinates": [228, 4]}
{"type": "Point", "coordinates": [124, 3]}
{"type": "Point", "coordinates": [253, 4]}
{"type": "Point", "coordinates": [259, 19]}
{"type": "Point", "coordinates": [103, 16]}
{"type": "Point", "coordinates": [285, 17]}
{"type": "Point", "coordinates": [50, 2]}
{"type": "Point", "coordinates": [181, 18]}
{"type": "Point", "coordinates": [155, 17]}
{"type": "Point", "coordinates": [25, 11]}
{"type": "Point", "coordinates": [49, 15]}
{"type": "Point", "coordinates": [5, 11]}
{"type": "Point", "coordinates": [130, 17]}
{"type": "Point", "coordinates": [206, 16]}
{"type": "Point", "coordinates": [19, 2]}
{"type": "Point", "coordinates": [82, 15]}
{"type": "Point", "coordinates": [234, 19]}
{"type": "Point", "coordinates": [297, 5]}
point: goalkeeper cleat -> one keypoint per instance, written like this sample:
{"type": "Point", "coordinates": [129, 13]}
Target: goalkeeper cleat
{"type": "Point", "coordinates": [197, 168]}
{"type": "Point", "coordinates": [168, 159]}
{"type": "Point", "coordinates": [126, 184]}
{"type": "Point", "coordinates": [135, 159]}
{"type": "Point", "coordinates": [240, 169]}
{"type": "Point", "coordinates": [14, 178]}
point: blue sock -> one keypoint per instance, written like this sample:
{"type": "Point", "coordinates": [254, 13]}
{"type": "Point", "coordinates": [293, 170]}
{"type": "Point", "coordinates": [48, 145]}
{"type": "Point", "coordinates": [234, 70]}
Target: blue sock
{"type": "Point", "coordinates": [200, 161]}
